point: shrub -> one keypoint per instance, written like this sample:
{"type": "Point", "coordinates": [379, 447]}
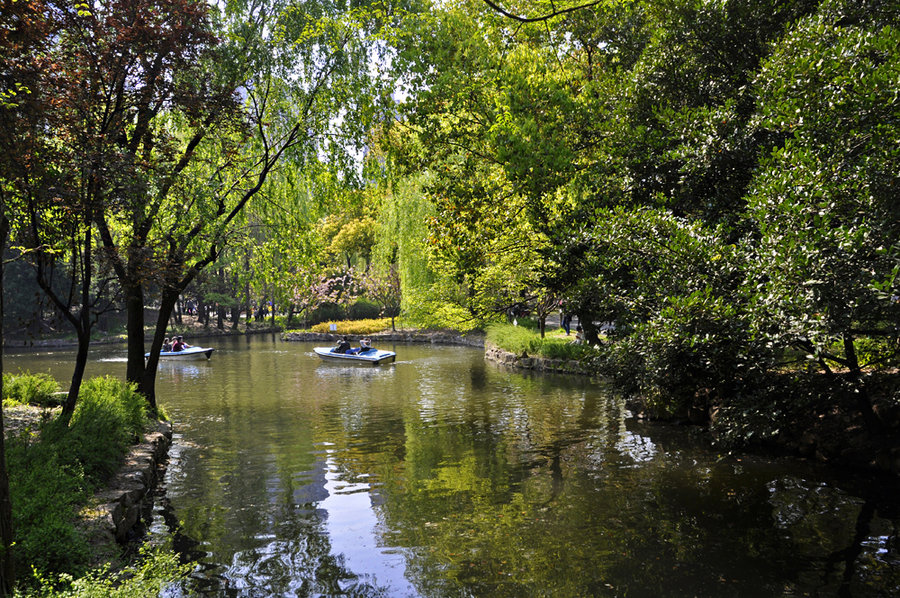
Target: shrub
{"type": "Point", "coordinates": [155, 568]}
{"type": "Point", "coordinates": [26, 388]}
{"type": "Point", "coordinates": [47, 489]}
{"type": "Point", "coordinates": [111, 410]}
{"type": "Point", "coordinates": [363, 309]}
{"type": "Point", "coordinates": [327, 312]}
{"type": "Point", "coordinates": [53, 475]}
{"type": "Point", "coordinates": [563, 348]}
{"type": "Point", "coordinates": [355, 327]}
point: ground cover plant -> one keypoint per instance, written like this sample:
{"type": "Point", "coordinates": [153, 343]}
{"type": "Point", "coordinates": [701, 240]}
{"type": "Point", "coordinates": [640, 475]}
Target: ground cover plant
{"type": "Point", "coordinates": [26, 388]}
{"type": "Point", "coordinates": [52, 475]}
{"type": "Point", "coordinates": [354, 326]}
{"type": "Point", "coordinates": [525, 339]}
{"type": "Point", "coordinates": [146, 578]}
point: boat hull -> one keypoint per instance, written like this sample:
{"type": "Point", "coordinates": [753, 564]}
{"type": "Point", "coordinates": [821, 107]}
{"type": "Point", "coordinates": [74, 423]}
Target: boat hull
{"type": "Point", "coordinates": [370, 357]}
{"type": "Point", "coordinates": [190, 354]}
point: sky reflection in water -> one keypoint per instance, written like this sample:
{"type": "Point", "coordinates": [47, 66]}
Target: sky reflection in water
{"type": "Point", "coordinates": [441, 475]}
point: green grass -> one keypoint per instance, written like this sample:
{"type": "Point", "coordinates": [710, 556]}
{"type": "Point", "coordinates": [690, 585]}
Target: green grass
{"type": "Point", "coordinates": [26, 388]}
{"type": "Point", "coordinates": [525, 339]}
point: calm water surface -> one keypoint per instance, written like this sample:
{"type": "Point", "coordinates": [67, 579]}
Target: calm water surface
{"type": "Point", "coordinates": [443, 475]}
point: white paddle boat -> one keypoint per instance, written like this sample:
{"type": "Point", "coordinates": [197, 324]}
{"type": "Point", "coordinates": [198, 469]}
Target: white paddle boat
{"type": "Point", "coordinates": [188, 354]}
{"type": "Point", "coordinates": [370, 356]}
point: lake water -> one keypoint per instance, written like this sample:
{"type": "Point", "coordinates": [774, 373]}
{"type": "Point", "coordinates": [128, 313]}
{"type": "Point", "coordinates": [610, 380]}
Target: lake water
{"type": "Point", "coordinates": [443, 475]}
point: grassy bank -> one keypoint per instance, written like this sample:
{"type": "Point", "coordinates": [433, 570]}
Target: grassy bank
{"type": "Point", "coordinates": [525, 338]}
{"type": "Point", "coordinates": [53, 471]}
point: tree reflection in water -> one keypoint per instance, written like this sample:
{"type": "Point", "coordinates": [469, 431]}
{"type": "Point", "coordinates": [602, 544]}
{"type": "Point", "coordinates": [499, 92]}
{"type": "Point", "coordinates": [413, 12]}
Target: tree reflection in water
{"type": "Point", "coordinates": [442, 475]}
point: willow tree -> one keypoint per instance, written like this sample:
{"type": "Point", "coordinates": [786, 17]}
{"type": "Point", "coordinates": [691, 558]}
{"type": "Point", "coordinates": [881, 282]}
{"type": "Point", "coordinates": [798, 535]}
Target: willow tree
{"type": "Point", "coordinates": [193, 110]}
{"type": "Point", "coordinates": [281, 248]}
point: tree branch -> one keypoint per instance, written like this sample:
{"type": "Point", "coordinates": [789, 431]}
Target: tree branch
{"type": "Point", "coordinates": [547, 17]}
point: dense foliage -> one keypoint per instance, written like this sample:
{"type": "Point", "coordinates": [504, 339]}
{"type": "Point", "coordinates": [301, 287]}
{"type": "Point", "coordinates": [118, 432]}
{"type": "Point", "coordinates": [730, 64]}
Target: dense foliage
{"type": "Point", "coordinates": [26, 388]}
{"type": "Point", "coordinates": [54, 469]}
{"type": "Point", "coordinates": [717, 180]}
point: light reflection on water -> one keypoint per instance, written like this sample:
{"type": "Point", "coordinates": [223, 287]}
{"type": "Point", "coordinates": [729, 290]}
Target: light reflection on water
{"type": "Point", "coordinates": [440, 475]}
{"type": "Point", "coordinates": [352, 525]}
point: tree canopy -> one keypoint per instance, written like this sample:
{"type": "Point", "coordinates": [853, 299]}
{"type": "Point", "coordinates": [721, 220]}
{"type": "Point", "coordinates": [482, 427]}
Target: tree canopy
{"type": "Point", "coordinates": [713, 182]}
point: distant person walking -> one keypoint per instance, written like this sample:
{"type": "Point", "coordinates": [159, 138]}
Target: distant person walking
{"type": "Point", "coordinates": [567, 323]}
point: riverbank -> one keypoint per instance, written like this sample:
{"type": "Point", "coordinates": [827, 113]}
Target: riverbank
{"type": "Point", "coordinates": [827, 429]}
{"type": "Point", "coordinates": [436, 337]}
{"type": "Point", "coordinates": [118, 511]}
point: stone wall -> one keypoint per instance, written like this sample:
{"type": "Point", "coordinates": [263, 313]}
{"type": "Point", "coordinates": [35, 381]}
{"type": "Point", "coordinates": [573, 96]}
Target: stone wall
{"type": "Point", "coordinates": [115, 511]}
{"type": "Point", "coordinates": [539, 364]}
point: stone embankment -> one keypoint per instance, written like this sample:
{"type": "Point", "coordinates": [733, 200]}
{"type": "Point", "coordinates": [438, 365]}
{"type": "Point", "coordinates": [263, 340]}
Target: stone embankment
{"type": "Point", "coordinates": [189, 331]}
{"type": "Point", "coordinates": [538, 364]}
{"type": "Point", "coordinates": [114, 512]}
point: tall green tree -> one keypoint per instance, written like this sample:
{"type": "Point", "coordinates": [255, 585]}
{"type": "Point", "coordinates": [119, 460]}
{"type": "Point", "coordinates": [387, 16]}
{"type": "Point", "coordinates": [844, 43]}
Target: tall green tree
{"type": "Point", "coordinates": [195, 125]}
{"type": "Point", "coordinates": [716, 178]}
{"type": "Point", "coordinates": [825, 202]}
{"type": "Point", "coordinates": [26, 31]}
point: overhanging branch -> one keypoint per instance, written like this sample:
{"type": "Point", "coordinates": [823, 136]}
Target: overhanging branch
{"type": "Point", "coordinates": [546, 17]}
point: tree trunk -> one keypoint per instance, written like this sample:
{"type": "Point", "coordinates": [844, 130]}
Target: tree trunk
{"type": "Point", "coordinates": [290, 314]}
{"type": "Point", "coordinates": [80, 320]}
{"type": "Point", "coordinates": [81, 357]}
{"type": "Point", "coordinates": [591, 332]}
{"type": "Point", "coordinates": [147, 385]}
{"type": "Point", "coordinates": [202, 313]}
{"type": "Point", "coordinates": [861, 395]}
{"type": "Point", "coordinates": [220, 317]}
{"type": "Point", "coordinates": [7, 571]}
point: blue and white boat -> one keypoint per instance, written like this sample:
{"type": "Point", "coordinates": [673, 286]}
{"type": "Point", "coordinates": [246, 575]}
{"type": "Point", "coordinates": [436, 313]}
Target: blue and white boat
{"type": "Point", "coordinates": [188, 354]}
{"type": "Point", "coordinates": [370, 356]}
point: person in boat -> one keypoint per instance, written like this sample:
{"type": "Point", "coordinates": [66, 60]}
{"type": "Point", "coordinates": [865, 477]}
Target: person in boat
{"type": "Point", "coordinates": [179, 344]}
{"type": "Point", "coordinates": [343, 346]}
{"type": "Point", "coordinates": [364, 345]}
{"type": "Point", "coordinates": [167, 345]}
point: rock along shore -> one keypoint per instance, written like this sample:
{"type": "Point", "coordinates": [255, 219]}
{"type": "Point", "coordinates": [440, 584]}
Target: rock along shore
{"type": "Point", "coordinates": [113, 515]}
{"type": "Point", "coordinates": [538, 364]}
